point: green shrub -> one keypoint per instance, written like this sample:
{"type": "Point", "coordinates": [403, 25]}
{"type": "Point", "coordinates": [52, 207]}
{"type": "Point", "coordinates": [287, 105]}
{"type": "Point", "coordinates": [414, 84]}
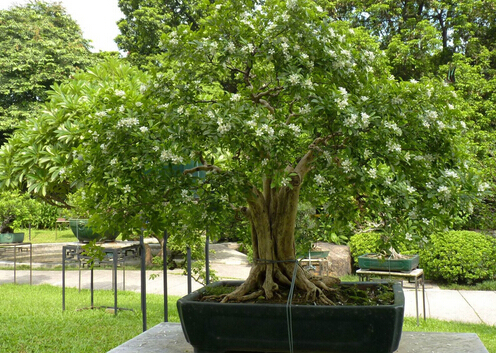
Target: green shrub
{"type": "Point", "coordinates": [459, 257]}
{"type": "Point", "coordinates": [41, 215]}
{"type": "Point", "coordinates": [364, 243]}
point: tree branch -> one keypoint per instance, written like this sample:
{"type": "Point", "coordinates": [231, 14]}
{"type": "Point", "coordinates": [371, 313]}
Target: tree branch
{"type": "Point", "coordinates": [203, 168]}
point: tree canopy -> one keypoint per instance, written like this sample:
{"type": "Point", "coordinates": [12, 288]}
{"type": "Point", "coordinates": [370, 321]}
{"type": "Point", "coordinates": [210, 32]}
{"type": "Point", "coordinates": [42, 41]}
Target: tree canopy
{"type": "Point", "coordinates": [39, 45]}
{"type": "Point", "coordinates": [276, 103]}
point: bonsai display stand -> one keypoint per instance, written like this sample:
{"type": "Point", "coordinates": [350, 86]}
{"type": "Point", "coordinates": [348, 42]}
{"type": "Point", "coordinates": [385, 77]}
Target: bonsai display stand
{"type": "Point", "coordinates": [116, 253]}
{"type": "Point", "coordinates": [416, 274]}
{"type": "Point", "coordinates": [168, 337]}
{"type": "Point", "coordinates": [5, 247]}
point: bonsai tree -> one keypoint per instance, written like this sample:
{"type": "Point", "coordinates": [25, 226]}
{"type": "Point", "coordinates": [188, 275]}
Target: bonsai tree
{"type": "Point", "coordinates": [275, 104]}
{"type": "Point", "coordinates": [14, 206]}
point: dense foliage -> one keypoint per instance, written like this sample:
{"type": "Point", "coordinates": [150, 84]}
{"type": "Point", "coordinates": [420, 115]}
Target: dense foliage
{"type": "Point", "coordinates": [39, 45]}
{"type": "Point", "coordinates": [146, 21]}
{"type": "Point", "coordinates": [253, 102]}
{"type": "Point", "coordinates": [459, 257]}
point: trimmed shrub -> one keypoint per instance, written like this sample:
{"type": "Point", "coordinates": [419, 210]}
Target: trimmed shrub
{"type": "Point", "coordinates": [459, 257]}
{"type": "Point", "coordinates": [364, 243]}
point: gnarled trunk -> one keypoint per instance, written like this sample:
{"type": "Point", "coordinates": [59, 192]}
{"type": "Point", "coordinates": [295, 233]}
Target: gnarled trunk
{"type": "Point", "coordinates": [272, 215]}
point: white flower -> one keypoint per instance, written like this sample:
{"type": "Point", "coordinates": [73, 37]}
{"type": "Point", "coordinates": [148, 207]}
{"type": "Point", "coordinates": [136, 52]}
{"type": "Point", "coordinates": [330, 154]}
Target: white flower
{"type": "Point", "coordinates": [413, 80]}
{"type": "Point", "coordinates": [437, 206]}
{"type": "Point", "coordinates": [294, 79]}
{"type": "Point", "coordinates": [387, 201]}
{"type": "Point", "coordinates": [169, 156]}
{"type": "Point", "coordinates": [397, 100]}
{"type": "Point", "coordinates": [365, 119]}
{"type": "Point", "coordinates": [296, 129]}
{"type": "Point", "coordinates": [90, 168]}
{"type": "Point", "coordinates": [372, 172]}
{"type": "Point", "coordinates": [113, 161]}
{"type": "Point", "coordinates": [343, 91]}
{"type": "Point", "coordinates": [408, 237]}
{"type": "Point", "coordinates": [411, 189]}
{"type": "Point", "coordinates": [62, 171]}
{"type": "Point", "coordinates": [127, 188]}
{"type": "Point", "coordinates": [122, 109]}
{"type": "Point", "coordinates": [431, 114]}
{"type": "Point", "coordinates": [308, 83]}
{"type": "Point", "coordinates": [342, 103]}
{"type": "Point", "coordinates": [231, 48]}
{"type": "Point", "coordinates": [319, 179]}
{"type": "Point", "coordinates": [451, 106]}
{"type": "Point", "coordinates": [393, 147]}
{"type": "Point", "coordinates": [143, 129]}
{"type": "Point", "coordinates": [128, 122]}
{"type": "Point", "coordinates": [120, 93]}
{"type": "Point", "coordinates": [235, 97]}
{"type": "Point", "coordinates": [445, 192]}
{"type": "Point", "coordinates": [350, 121]}
{"type": "Point", "coordinates": [305, 109]}
{"type": "Point", "coordinates": [138, 104]}
{"type": "Point", "coordinates": [426, 221]}
{"type": "Point", "coordinates": [251, 123]}
{"type": "Point", "coordinates": [346, 164]}
{"type": "Point", "coordinates": [364, 98]}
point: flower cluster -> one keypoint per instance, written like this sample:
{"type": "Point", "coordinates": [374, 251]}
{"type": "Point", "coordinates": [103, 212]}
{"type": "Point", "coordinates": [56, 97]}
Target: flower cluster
{"type": "Point", "coordinates": [128, 122]}
{"type": "Point", "coordinates": [167, 155]}
{"type": "Point", "coordinates": [343, 100]}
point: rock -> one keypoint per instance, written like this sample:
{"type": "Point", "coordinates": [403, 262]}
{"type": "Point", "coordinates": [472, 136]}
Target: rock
{"type": "Point", "coordinates": [339, 258]}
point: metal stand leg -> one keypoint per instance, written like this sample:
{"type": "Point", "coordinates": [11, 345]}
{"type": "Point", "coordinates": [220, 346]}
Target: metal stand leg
{"type": "Point", "coordinates": [15, 264]}
{"type": "Point", "coordinates": [91, 287]}
{"type": "Point", "coordinates": [63, 278]}
{"type": "Point", "coordinates": [423, 293]}
{"type": "Point", "coordinates": [30, 261]}
{"type": "Point", "coordinates": [188, 252]}
{"type": "Point", "coordinates": [114, 278]}
{"type": "Point", "coordinates": [416, 300]}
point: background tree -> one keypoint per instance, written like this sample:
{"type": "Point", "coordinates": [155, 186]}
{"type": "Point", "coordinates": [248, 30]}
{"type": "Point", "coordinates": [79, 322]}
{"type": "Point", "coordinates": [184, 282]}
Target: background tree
{"type": "Point", "coordinates": [454, 41]}
{"type": "Point", "coordinates": [39, 45]}
{"type": "Point", "coordinates": [147, 20]}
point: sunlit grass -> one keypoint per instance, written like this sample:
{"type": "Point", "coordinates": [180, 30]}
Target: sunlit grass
{"type": "Point", "coordinates": [486, 333]}
{"type": "Point", "coordinates": [32, 319]}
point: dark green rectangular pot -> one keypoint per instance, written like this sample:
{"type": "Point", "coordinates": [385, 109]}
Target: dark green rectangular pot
{"type": "Point", "coordinates": [376, 262]}
{"type": "Point", "coordinates": [240, 327]}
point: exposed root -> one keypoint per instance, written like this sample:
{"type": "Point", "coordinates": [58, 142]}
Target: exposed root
{"type": "Point", "coordinates": [251, 296]}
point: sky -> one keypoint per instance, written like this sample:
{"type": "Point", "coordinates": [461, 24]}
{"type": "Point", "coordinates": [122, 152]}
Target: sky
{"type": "Point", "coordinates": [97, 19]}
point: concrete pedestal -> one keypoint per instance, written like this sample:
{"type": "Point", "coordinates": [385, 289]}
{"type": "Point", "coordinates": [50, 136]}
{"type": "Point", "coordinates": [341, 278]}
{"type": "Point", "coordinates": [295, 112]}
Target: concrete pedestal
{"type": "Point", "coordinates": [168, 337]}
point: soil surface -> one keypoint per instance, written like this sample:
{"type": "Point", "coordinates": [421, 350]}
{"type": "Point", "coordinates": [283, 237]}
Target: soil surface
{"type": "Point", "coordinates": [342, 294]}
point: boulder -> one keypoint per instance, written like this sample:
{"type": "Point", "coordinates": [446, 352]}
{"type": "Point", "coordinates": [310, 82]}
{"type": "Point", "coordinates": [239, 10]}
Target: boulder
{"type": "Point", "coordinates": [339, 258]}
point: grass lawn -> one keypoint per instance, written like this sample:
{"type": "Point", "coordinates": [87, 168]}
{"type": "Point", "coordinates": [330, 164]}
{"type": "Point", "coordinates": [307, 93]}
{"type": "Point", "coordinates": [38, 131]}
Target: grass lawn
{"type": "Point", "coordinates": [486, 333]}
{"type": "Point", "coordinates": [33, 321]}
{"type": "Point", "coordinates": [38, 236]}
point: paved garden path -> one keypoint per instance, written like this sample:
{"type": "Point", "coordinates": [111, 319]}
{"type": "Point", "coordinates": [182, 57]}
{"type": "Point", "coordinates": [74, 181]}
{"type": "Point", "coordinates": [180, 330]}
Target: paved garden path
{"type": "Point", "coordinates": [456, 305]}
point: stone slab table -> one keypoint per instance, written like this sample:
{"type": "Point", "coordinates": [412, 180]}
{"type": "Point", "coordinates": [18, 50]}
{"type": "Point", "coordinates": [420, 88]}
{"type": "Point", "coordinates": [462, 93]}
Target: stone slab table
{"type": "Point", "coordinates": [168, 337]}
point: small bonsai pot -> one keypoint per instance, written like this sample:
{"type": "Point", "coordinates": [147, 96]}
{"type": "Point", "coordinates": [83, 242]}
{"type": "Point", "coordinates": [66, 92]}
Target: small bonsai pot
{"type": "Point", "coordinates": [85, 234]}
{"type": "Point", "coordinates": [11, 237]}
{"type": "Point", "coordinates": [378, 262]}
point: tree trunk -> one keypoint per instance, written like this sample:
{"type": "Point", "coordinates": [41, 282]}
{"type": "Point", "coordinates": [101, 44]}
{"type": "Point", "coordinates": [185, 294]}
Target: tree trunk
{"type": "Point", "coordinates": [272, 215]}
